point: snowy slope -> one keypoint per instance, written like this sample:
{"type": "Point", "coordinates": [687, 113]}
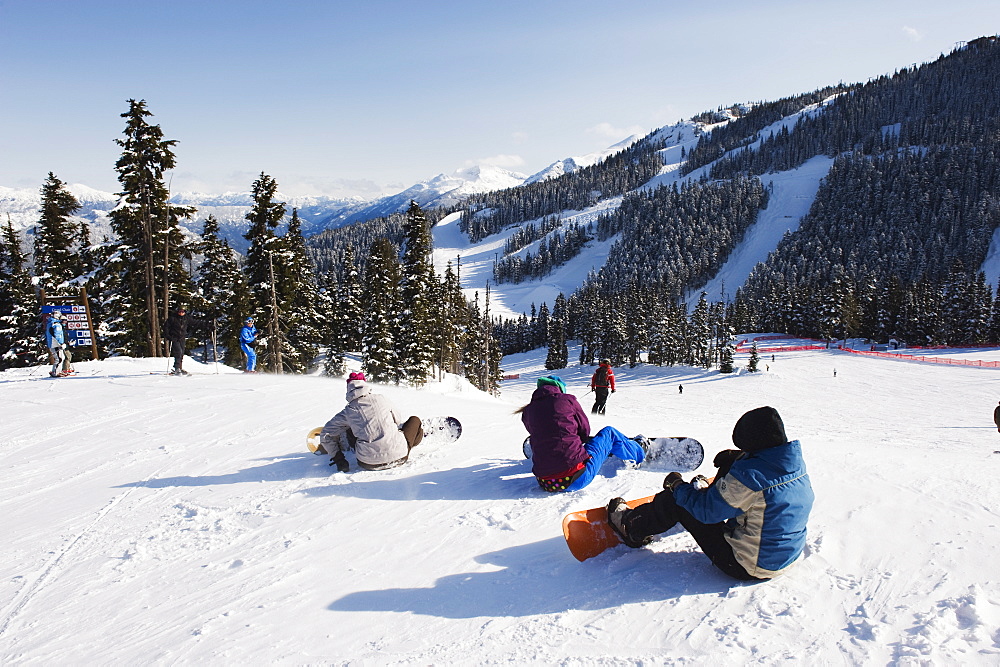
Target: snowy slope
{"type": "Point", "coordinates": [159, 520]}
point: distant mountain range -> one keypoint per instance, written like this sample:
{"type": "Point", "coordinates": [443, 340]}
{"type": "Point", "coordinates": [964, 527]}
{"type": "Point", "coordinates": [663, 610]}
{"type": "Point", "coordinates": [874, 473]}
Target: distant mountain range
{"type": "Point", "coordinates": [317, 213]}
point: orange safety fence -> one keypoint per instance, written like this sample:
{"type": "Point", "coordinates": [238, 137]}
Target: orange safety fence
{"type": "Point", "coordinates": [933, 360]}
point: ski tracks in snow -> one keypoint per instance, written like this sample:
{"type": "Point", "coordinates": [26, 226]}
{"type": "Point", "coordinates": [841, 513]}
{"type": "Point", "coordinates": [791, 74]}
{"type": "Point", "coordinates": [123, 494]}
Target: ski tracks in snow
{"type": "Point", "coordinates": [52, 567]}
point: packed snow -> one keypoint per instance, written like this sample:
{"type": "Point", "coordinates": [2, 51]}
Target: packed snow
{"type": "Point", "coordinates": [169, 520]}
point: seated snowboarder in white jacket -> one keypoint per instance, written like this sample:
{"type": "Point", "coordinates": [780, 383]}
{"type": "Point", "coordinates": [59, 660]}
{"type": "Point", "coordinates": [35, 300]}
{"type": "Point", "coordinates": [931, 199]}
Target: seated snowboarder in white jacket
{"type": "Point", "coordinates": [371, 427]}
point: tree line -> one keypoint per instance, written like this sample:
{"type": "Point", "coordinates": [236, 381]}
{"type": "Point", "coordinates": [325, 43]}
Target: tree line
{"type": "Point", "coordinates": [405, 322]}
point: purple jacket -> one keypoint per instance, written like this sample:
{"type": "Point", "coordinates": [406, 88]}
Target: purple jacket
{"type": "Point", "coordinates": [558, 427]}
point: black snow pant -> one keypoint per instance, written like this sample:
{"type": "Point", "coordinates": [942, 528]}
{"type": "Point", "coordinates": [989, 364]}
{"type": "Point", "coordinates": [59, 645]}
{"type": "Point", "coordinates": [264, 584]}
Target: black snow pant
{"type": "Point", "coordinates": [663, 513]}
{"type": "Point", "coordinates": [177, 352]}
{"type": "Point", "coordinates": [600, 401]}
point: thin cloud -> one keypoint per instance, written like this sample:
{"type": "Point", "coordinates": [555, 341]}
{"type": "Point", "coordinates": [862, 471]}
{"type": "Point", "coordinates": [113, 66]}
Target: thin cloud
{"type": "Point", "coordinates": [914, 34]}
{"type": "Point", "coordinates": [505, 161]}
{"type": "Point", "coordinates": [607, 130]}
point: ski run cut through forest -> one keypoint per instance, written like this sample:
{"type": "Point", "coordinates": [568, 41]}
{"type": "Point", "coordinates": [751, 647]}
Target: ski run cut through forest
{"type": "Point", "coordinates": [160, 520]}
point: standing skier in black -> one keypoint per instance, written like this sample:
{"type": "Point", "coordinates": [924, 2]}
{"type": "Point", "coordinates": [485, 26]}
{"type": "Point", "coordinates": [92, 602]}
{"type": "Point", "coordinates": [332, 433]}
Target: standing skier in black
{"type": "Point", "coordinates": [176, 332]}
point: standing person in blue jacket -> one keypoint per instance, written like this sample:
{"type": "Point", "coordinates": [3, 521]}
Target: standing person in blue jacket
{"type": "Point", "coordinates": [248, 341]}
{"type": "Point", "coordinates": [563, 455]}
{"type": "Point", "coordinates": [55, 339]}
{"type": "Point", "coordinates": [751, 521]}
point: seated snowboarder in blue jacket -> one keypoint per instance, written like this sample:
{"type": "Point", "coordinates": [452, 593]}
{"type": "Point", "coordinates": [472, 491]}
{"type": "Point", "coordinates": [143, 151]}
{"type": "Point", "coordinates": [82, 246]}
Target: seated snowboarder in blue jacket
{"type": "Point", "coordinates": [751, 522]}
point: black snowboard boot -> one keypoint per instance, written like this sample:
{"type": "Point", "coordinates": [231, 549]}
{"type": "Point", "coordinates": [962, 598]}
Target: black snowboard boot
{"type": "Point", "coordinates": [618, 520]}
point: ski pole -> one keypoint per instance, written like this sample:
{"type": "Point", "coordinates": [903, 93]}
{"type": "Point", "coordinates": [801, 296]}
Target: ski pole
{"type": "Point", "coordinates": [215, 352]}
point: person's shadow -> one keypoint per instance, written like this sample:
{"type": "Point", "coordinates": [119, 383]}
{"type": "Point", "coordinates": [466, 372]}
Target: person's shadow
{"type": "Point", "coordinates": [541, 578]}
{"type": "Point", "coordinates": [280, 468]}
{"type": "Point", "coordinates": [473, 482]}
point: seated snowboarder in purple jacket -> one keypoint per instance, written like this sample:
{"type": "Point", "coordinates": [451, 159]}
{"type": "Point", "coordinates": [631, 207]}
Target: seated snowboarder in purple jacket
{"type": "Point", "coordinates": [563, 455]}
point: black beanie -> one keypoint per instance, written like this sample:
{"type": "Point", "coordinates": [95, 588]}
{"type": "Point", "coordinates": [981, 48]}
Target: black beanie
{"type": "Point", "coordinates": [759, 429]}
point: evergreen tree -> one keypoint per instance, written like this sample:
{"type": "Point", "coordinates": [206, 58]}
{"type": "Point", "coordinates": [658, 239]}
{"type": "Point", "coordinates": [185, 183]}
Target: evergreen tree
{"type": "Point", "coordinates": [56, 261]}
{"type": "Point", "coordinates": [20, 334]}
{"type": "Point", "coordinates": [381, 315]}
{"type": "Point", "coordinates": [482, 352]}
{"type": "Point", "coordinates": [452, 322]}
{"type": "Point", "coordinates": [754, 359]}
{"type": "Point", "coordinates": [344, 315]}
{"type": "Point", "coordinates": [223, 296]}
{"type": "Point", "coordinates": [415, 343]}
{"type": "Point", "coordinates": [726, 358]}
{"type": "Point", "coordinates": [558, 355]}
{"type": "Point", "coordinates": [148, 262]}
{"type": "Point", "coordinates": [304, 327]}
{"type": "Point", "coordinates": [263, 267]}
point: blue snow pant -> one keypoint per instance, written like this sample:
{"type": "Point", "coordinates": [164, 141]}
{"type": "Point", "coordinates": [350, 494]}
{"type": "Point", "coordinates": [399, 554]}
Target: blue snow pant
{"type": "Point", "coordinates": [251, 356]}
{"type": "Point", "coordinates": [608, 442]}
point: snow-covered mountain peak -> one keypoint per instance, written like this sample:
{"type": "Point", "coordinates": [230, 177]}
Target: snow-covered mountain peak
{"type": "Point", "coordinates": [570, 164]}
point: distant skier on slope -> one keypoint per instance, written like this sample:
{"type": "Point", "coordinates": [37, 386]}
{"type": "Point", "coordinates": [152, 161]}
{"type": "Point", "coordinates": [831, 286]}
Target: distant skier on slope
{"type": "Point", "coordinates": [248, 343]}
{"type": "Point", "coordinates": [372, 428]}
{"type": "Point", "coordinates": [601, 382]}
{"type": "Point", "coordinates": [996, 417]}
{"type": "Point", "coordinates": [55, 340]}
{"type": "Point", "coordinates": [751, 522]}
{"type": "Point", "coordinates": [563, 455]}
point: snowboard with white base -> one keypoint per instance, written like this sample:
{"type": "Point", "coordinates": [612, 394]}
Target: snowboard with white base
{"type": "Point", "coordinates": [436, 429]}
{"type": "Point", "coordinates": [666, 454]}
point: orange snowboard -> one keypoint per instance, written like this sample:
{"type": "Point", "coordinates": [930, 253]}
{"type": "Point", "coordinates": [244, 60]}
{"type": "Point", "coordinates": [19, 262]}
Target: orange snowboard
{"type": "Point", "coordinates": [588, 532]}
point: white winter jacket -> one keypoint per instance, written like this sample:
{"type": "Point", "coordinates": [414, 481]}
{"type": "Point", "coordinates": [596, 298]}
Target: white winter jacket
{"type": "Point", "coordinates": [373, 420]}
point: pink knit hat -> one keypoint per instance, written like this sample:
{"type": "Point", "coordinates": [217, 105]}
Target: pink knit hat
{"type": "Point", "coordinates": [356, 376]}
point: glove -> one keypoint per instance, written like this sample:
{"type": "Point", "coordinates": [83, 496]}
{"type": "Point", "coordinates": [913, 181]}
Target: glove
{"type": "Point", "coordinates": [700, 482]}
{"type": "Point", "coordinates": [340, 461]}
{"type": "Point", "coordinates": [612, 391]}
{"type": "Point", "coordinates": [672, 481]}
{"type": "Point", "coordinates": [726, 458]}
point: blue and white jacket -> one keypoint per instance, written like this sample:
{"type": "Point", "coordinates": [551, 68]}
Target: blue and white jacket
{"type": "Point", "coordinates": [765, 498]}
{"type": "Point", "coordinates": [248, 334]}
{"type": "Point", "coordinates": [55, 336]}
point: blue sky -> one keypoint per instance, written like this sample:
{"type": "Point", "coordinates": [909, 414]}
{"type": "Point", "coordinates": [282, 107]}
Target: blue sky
{"type": "Point", "coordinates": [372, 96]}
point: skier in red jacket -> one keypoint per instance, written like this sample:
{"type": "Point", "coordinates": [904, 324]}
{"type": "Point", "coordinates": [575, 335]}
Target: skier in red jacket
{"type": "Point", "coordinates": [601, 382]}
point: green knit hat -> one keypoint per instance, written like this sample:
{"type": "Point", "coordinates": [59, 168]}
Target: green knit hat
{"type": "Point", "coordinates": [554, 380]}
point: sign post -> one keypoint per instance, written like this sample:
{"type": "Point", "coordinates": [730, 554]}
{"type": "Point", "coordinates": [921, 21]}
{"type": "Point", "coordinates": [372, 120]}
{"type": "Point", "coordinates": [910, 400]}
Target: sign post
{"type": "Point", "coordinates": [79, 324]}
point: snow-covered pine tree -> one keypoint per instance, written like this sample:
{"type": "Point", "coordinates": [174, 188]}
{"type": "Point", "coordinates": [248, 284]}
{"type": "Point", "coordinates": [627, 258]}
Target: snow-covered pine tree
{"type": "Point", "coordinates": [331, 294]}
{"type": "Point", "coordinates": [754, 359]}
{"type": "Point", "coordinates": [304, 326]}
{"type": "Point", "coordinates": [381, 315]}
{"type": "Point", "coordinates": [700, 334]}
{"type": "Point", "coordinates": [558, 354]}
{"type": "Point", "coordinates": [20, 334]}
{"type": "Point", "coordinates": [415, 344]}
{"type": "Point", "coordinates": [56, 260]}
{"type": "Point", "coordinates": [482, 351]}
{"type": "Point", "coordinates": [263, 263]}
{"type": "Point", "coordinates": [350, 310]}
{"type": "Point", "coordinates": [222, 294]}
{"type": "Point", "coordinates": [726, 358]}
{"type": "Point", "coordinates": [452, 322]}
{"type": "Point", "coordinates": [342, 299]}
{"type": "Point", "coordinates": [148, 241]}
